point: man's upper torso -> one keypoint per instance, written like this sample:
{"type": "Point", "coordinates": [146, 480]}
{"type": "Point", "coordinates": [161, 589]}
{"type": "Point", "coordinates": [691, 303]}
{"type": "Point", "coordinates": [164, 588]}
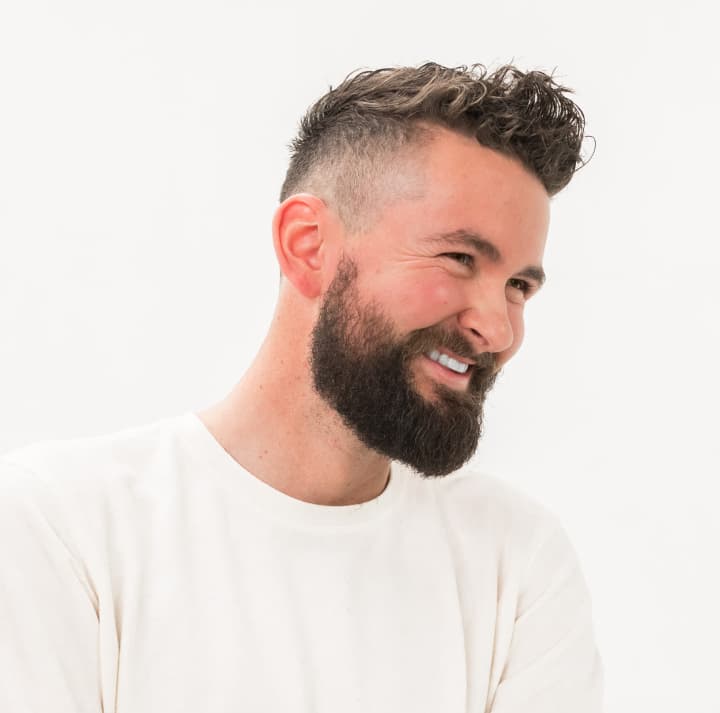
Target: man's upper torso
{"type": "Point", "coordinates": [148, 571]}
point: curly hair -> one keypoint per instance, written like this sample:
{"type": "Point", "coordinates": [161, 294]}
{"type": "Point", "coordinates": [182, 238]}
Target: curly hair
{"type": "Point", "coordinates": [353, 132]}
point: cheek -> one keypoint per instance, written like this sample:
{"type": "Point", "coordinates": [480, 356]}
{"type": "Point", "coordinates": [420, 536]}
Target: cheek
{"type": "Point", "coordinates": [425, 303]}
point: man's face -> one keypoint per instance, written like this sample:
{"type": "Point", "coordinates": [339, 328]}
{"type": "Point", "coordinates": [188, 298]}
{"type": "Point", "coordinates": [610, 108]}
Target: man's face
{"type": "Point", "coordinates": [363, 370]}
{"type": "Point", "coordinates": [427, 305]}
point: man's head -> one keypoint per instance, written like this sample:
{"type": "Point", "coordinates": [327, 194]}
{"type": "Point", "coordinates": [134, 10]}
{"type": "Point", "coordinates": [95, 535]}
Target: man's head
{"type": "Point", "coordinates": [412, 231]}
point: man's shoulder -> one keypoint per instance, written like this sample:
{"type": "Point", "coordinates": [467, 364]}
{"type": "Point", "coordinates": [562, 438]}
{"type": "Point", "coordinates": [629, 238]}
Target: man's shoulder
{"type": "Point", "coordinates": [86, 465]}
{"type": "Point", "coordinates": [483, 511]}
{"type": "Point", "coordinates": [472, 494]}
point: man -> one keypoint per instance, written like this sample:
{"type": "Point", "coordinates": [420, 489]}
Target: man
{"type": "Point", "coordinates": [305, 545]}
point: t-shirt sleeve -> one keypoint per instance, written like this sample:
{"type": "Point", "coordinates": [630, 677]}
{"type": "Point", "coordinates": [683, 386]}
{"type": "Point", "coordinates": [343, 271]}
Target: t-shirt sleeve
{"type": "Point", "coordinates": [48, 618]}
{"type": "Point", "coordinates": [553, 665]}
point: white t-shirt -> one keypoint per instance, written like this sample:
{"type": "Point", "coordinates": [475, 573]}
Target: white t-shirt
{"type": "Point", "coordinates": [148, 572]}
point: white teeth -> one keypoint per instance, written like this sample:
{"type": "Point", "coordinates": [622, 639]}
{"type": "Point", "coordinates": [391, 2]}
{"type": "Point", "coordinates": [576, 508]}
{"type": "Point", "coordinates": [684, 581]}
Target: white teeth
{"type": "Point", "coordinates": [448, 362]}
{"type": "Point", "coordinates": [456, 365]}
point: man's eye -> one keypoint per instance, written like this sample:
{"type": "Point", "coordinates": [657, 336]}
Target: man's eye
{"type": "Point", "coordinates": [523, 285]}
{"type": "Point", "coordinates": [518, 291]}
{"type": "Point", "coordinates": [463, 258]}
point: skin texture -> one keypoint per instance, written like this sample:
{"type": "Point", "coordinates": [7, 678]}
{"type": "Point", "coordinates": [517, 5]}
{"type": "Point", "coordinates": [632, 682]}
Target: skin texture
{"type": "Point", "coordinates": [417, 281]}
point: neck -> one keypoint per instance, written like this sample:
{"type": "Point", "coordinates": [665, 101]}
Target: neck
{"type": "Point", "coordinates": [276, 427]}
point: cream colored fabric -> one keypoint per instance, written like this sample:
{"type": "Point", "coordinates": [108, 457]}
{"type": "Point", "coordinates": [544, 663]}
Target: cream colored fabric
{"type": "Point", "coordinates": [147, 572]}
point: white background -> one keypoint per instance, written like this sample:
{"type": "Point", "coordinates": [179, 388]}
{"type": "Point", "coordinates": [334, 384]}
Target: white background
{"type": "Point", "coordinates": [142, 148]}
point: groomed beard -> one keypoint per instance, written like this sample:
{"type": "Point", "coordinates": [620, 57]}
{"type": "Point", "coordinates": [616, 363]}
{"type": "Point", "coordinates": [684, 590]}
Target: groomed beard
{"type": "Point", "coordinates": [362, 370]}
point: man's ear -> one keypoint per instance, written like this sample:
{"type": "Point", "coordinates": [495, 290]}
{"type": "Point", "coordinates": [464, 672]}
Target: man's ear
{"type": "Point", "coordinates": [299, 237]}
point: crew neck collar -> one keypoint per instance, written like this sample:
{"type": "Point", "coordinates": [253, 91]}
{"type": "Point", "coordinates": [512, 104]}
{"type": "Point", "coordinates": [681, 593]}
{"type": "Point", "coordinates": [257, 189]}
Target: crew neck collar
{"type": "Point", "coordinates": [235, 479]}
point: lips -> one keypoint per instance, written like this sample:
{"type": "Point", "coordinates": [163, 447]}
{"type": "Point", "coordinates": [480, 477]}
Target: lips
{"type": "Point", "coordinates": [449, 362]}
{"type": "Point", "coordinates": [442, 374]}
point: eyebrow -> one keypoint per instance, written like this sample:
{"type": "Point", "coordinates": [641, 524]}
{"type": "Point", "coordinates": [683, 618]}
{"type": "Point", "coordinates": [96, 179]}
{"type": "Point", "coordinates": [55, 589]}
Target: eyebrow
{"type": "Point", "coordinates": [484, 247]}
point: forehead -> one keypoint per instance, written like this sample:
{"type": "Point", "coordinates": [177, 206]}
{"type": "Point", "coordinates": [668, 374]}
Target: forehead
{"type": "Point", "coordinates": [466, 186]}
{"type": "Point", "coordinates": [456, 164]}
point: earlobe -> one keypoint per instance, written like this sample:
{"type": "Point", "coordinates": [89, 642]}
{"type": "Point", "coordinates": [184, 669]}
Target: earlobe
{"type": "Point", "coordinates": [299, 242]}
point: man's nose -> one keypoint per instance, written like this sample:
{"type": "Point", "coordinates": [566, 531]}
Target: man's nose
{"type": "Point", "coordinates": [487, 323]}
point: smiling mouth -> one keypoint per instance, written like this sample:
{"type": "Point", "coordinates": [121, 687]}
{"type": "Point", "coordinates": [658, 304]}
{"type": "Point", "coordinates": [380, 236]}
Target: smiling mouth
{"type": "Point", "coordinates": [441, 374]}
{"type": "Point", "coordinates": [454, 365]}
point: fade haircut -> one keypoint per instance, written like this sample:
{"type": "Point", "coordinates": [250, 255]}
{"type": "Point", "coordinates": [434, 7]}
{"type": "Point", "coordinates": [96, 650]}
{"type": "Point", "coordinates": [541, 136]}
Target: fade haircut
{"type": "Point", "coordinates": [360, 130]}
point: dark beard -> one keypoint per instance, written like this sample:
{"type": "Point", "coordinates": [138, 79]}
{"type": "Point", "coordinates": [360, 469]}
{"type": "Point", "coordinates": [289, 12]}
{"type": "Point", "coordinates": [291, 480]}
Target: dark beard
{"type": "Point", "coordinates": [362, 370]}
